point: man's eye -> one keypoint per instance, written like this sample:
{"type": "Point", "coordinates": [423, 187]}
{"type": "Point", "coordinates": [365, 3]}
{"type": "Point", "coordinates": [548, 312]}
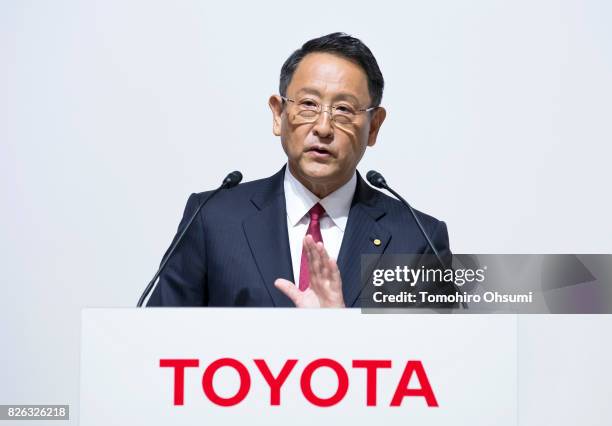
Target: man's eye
{"type": "Point", "coordinates": [344, 109]}
{"type": "Point", "coordinates": [308, 103]}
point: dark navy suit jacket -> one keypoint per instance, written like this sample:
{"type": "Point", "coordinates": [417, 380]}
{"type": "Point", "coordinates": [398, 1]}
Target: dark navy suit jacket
{"type": "Point", "coordinates": [238, 245]}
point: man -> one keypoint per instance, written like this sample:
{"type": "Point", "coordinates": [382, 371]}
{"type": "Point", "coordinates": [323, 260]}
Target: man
{"type": "Point", "coordinates": [273, 242]}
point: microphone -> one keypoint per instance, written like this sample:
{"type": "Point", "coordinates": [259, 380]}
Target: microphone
{"type": "Point", "coordinates": [377, 180]}
{"type": "Point", "coordinates": [230, 181]}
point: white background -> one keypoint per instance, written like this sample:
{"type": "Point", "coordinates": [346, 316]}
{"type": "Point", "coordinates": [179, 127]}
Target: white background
{"type": "Point", "coordinates": [113, 112]}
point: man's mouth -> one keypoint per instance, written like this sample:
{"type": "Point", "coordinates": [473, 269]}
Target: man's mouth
{"type": "Point", "coordinates": [319, 151]}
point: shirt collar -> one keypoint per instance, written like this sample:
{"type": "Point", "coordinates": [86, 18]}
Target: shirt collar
{"type": "Point", "coordinates": [299, 200]}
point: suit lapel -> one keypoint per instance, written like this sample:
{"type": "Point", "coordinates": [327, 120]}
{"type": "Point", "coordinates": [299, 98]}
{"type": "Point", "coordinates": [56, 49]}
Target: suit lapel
{"type": "Point", "coordinates": [362, 231]}
{"type": "Point", "coordinates": [266, 233]}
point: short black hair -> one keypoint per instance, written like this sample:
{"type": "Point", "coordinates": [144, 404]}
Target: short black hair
{"type": "Point", "coordinates": [345, 46]}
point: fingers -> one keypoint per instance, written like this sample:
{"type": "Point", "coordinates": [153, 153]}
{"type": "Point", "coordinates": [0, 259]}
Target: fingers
{"type": "Point", "coordinates": [320, 269]}
{"type": "Point", "coordinates": [325, 269]}
{"type": "Point", "coordinates": [315, 264]}
{"type": "Point", "coordinates": [325, 280]}
{"type": "Point", "coordinates": [289, 289]}
{"type": "Point", "coordinates": [334, 273]}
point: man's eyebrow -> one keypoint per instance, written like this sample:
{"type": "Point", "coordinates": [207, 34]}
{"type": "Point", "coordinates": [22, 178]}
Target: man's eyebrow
{"type": "Point", "coordinates": [309, 91]}
{"type": "Point", "coordinates": [339, 96]}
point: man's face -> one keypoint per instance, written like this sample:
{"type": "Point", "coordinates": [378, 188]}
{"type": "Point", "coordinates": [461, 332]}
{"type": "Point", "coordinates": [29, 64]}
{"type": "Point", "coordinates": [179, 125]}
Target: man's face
{"type": "Point", "coordinates": [322, 154]}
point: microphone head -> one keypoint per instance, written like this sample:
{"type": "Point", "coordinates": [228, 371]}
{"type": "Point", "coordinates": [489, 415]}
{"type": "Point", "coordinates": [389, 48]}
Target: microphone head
{"type": "Point", "coordinates": [376, 179]}
{"type": "Point", "coordinates": [232, 179]}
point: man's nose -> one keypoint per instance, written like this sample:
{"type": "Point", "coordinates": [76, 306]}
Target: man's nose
{"type": "Point", "coordinates": [323, 128]}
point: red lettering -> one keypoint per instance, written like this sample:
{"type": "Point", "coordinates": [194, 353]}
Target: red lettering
{"type": "Point", "coordinates": [179, 366]}
{"type": "Point", "coordinates": [209, 374]}
{"type": "Point", "coordinates": [425, 391]}
{"type": "Point", "coordinates": [412, 368]}
{"type": "Point", "coordinates": [371, 367]}
{"type": "Point", "coordinates": [343, 382]}
{"type": "Point", "coordinates": [275, 383]}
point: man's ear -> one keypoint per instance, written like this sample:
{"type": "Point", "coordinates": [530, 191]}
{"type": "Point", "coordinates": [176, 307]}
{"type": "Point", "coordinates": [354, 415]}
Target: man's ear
{"type": "Point", "coordinates": [379, 115]}
{"type": "Point", "coordinates": [276, 106]}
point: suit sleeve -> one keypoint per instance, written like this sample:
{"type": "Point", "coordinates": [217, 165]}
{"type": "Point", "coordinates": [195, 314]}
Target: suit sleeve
{"type": "Point", "coordinates": [183, 282]}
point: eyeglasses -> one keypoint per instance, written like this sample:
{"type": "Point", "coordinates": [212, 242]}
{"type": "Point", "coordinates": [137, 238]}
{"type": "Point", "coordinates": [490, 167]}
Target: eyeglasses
{"type": "Point", "coordinates": [307, 110]}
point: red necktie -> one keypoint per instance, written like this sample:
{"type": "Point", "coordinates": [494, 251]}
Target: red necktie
{"type": "Point", "coordinates": [314, 230]}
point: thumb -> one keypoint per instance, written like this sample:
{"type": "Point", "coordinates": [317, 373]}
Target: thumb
{"type": "Point", "coordinates": [288, 289]}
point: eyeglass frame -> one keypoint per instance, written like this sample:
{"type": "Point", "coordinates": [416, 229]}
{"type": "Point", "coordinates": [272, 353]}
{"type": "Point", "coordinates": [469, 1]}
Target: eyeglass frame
{"type": "Point", "coordinates": [330, 110]}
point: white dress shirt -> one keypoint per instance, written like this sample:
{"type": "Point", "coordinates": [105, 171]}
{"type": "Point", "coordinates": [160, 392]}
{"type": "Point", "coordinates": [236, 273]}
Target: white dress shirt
{"type": "Point", "coordinates": [300, 200]}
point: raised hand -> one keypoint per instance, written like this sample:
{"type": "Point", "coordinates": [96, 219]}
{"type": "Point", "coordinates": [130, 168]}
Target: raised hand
{"type": "Point", "coordinates": [325, 287]}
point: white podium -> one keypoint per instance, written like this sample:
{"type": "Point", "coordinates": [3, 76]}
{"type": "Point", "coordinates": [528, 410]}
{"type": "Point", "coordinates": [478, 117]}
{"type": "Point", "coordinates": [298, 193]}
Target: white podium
{"type": "Point", "coordinates": [214, 366]}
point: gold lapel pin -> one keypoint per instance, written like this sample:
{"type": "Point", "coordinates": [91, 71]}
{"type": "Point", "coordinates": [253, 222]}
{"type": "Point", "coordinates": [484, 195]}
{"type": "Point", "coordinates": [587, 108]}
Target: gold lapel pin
{"type": "Point", "coordinates": [377, 242]}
